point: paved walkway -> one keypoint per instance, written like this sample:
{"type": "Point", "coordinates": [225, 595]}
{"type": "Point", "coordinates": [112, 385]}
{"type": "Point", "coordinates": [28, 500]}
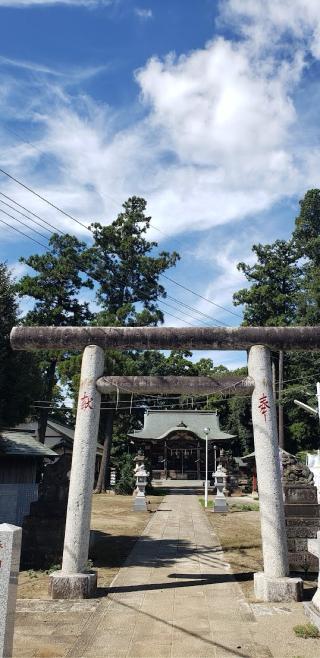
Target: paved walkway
{"type": "Point", "coordinates": [175, 596]}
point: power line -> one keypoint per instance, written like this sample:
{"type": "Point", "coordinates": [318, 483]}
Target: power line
{"type": "Point", "coordinates": [180, 319]}
{"type": "Point", "coordinates": [165, 276]}
{"type": "Point", "coordinates": [191, 308]}
{"type": "Point", "coordinates": [23, 223]}
{"type": "Point", "coordinates": [2, 171]}
{"type": "Point", "coordinates": [22, 233]}
{"type": "Point", "coordinates": [187, 314]}
{"type": "Point", "coordinates": [24, 215]}
{"type": "Point", "coordinates": [31, 213]}
{"type": "Point", "coordinates": [146, 406]}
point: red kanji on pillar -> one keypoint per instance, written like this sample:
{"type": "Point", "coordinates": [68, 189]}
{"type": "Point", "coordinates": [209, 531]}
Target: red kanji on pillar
{"type": "Point", "coordinates": [86, 402]}
{"type": "Point", "coordinates": [264, 405]}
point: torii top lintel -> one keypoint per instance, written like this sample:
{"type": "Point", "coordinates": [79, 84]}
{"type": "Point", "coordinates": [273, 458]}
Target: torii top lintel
{"type": "Point", "coordinates": [149, 338]}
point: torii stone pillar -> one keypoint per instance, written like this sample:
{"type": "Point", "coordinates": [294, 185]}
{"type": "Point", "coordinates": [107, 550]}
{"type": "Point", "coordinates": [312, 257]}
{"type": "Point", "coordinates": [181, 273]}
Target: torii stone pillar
{"type": "Point", "coordinates": [273, 583]}
{"type": "Point", "coordinates": [75, 580]}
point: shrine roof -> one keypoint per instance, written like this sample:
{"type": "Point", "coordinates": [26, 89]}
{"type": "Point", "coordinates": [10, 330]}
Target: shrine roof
{"type": "Point", "coordinates": [66, 437]}
{"type": "Point", "coordinates": [160, 424]}
{"type": "Point", "coordinates": [24, 445]}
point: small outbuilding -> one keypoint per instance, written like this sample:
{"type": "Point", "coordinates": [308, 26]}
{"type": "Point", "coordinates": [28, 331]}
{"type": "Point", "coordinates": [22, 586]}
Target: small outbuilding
{"type": "Point", "coordinates": [21, 460]}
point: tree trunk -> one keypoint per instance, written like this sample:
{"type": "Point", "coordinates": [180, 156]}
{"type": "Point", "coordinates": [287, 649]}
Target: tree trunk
{"type": "Point", "coordinates": [280, 408]}
{"type": "Point", "coordinates": [47, 394]}
{"type": "Point", "coordinates": [105, 460]}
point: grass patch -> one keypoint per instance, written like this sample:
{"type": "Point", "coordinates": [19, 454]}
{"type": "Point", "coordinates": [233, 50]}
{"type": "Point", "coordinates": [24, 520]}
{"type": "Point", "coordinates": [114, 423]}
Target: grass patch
{"type": "Point", "coordinates": [234, 507]}
{"type": "Point", "coordinates": [244, 507]}
{"type": "Point", "coordinates": [117, 528]}
{"type": "Point", "coordinates": [210, 503]}
{"type": "Point", "coordinates": [306, 630]}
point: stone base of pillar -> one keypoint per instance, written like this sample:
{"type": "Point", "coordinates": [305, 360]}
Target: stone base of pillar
{"type": "Point", "coordinates": [72, 586]}
{"type": "Point", "coordinates": [267, 588]}
{"type": "Point", "coordinates": [312, 613]}
{"type": "Point", "coordinates": [220, 505]}
{"type": "Point", "coordinates": [140, 504]}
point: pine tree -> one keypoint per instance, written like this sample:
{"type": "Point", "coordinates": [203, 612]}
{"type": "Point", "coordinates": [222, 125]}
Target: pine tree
{"type": "Point", "coordinates": [19, 375]}
{"type": "Point", "coordinates": [127, 272]}
{"type": "Point", "coordinates": [55, 288]}
{"type": "Point", "coordinates": [307, 243]}
{"type": "Point", "coordinates": [272, 298]}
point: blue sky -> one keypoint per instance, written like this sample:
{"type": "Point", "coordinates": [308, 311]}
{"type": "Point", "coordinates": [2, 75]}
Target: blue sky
{"type": "Point", "coordinates": [207, 109]}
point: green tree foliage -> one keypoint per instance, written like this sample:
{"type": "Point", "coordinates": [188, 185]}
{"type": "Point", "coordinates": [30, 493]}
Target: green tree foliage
{"type": "Point", "coordinates": [271, 299]}
{"type": "Point", "coordinates": [127, 273]}
{"type": "Point", "coordinates": [285, 290]}
{"type": "Point", "coordinates": [19, 375]}
{"type": "Point", "coordinates": [274, 278]}
{"type": "Point", "coordinates": [126, 481]}
{"type": "Point", "coordinates": [307, 242]}
{"type": "Point", "coordinates": [55, 287]}
{"type": "Point", "coordinates": [302, 368]}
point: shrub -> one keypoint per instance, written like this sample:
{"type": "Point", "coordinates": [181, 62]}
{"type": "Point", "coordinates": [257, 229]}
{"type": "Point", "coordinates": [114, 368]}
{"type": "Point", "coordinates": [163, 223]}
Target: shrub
{"type": "Point", "coordinates": [126, 482]}
{"type": "Point", "coordinates": [306, 630]}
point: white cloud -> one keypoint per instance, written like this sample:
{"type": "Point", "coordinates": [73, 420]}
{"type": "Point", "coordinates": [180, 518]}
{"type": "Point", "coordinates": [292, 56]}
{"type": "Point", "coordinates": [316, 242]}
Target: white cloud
{"type": "Point", "coordinates": [144, 14]}
{"type": "Point", "coordinates": [266, 22]}
{"type": "Point", "coordinates": [217, 143]}
{"type": "Point", "coordinates": [75, 76]}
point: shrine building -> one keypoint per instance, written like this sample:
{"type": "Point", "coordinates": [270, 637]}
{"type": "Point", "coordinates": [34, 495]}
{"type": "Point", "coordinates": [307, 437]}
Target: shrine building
{"type": "Point", "coordinates": [174, 443]}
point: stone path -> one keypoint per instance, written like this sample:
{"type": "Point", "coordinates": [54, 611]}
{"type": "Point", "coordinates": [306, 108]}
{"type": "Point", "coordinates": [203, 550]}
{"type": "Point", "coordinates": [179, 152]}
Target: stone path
{"type": "Point", "coordinates": [175, 596]}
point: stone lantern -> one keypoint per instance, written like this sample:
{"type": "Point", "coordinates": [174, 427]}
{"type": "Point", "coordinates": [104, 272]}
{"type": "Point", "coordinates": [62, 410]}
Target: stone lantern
{"type": "Point", "coordinates": [220, 476]}
{"type": "Point", "coordinates": [141, 483]}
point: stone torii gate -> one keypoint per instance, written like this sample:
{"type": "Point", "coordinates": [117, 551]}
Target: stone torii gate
{"type": "Point", "coordinates": [74, 580]}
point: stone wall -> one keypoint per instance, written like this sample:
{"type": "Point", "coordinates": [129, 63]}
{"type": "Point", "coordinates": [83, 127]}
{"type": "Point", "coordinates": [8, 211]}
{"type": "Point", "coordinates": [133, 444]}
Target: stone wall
{"type": "Point", "coordinates": [15, 501]}
{"type": "Point", "coordinates": [44, 527]}
{"type": "Point", "coordinates": [302, 513]}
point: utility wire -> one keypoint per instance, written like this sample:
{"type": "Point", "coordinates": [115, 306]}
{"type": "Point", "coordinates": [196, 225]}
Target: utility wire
{"type": "Point", "coordinates": [31, 213]}
{"type": "Point", "coordinates": [116, 202]}
{"type": "Point", "coordinates": [191, 308]}
{"type": "Point", "coordinates": [25, 234]}
{"type": "Point", "coordinates": [187, 314]}
{"type": "Point", "coordinates": [2, 171]}
{"type": "Point", "coordinates": [165, 276]}
{"type": "Point", "coordinates": [26, 216]}
{"type": "Point", "coordinates": [23, 224]}
{"type": "Point", "coordinates": [180, 319]}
